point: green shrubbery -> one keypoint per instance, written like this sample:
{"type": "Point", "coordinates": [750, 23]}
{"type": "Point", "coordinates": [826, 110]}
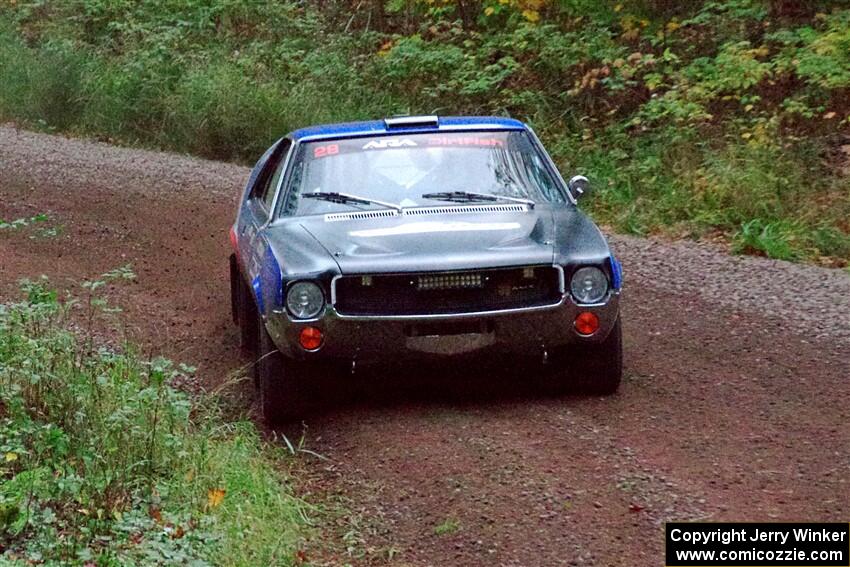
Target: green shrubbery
{"type": "Point", "coordinates": [698, 117]}
{"type": "Point", "coordinates": [104, 462]}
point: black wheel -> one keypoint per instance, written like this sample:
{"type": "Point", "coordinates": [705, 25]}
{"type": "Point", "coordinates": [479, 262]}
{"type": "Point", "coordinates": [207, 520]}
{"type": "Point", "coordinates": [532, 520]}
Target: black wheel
{"type": "Point", "coordinates": [246, 314]}
{"type": "Point", "coordinates": [285, 384]}
{"type": "Point", "coordinates": [600, 369]}
{"type": "Point", "coordinates": [234, 289]}
{"type": "Point", "coordinates": [595, 368]}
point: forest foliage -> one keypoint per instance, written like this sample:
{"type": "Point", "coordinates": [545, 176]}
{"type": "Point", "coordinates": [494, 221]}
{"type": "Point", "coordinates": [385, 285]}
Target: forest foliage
{"type": "Point", "coordinates": [722, 120]}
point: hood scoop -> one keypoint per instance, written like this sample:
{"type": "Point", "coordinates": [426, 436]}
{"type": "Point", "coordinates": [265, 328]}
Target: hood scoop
{"type": "Point", "coordinates": [426, 211]}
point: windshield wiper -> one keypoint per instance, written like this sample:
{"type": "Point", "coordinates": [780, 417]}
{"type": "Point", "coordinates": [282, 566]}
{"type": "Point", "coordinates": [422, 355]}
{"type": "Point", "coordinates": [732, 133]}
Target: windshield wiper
{"type": "Point", "coordinates": [470, 197]}
{"type": "Point", "coordinates": [346, 199]}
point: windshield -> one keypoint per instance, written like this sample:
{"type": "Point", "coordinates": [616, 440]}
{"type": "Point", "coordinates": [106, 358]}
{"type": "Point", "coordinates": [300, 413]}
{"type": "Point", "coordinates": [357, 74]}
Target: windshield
{"type": "Point", "coordinates": [418, 170]}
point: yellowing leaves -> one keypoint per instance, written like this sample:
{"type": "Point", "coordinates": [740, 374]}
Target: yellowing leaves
{"type": "Point", "coordinates": [631, 28]}
{"type": "Point", "coordinates": [762, 51]}
{"type": "Point", "coordinates": [530, 10]}
{"type": "Point", "coordinates": [215, 496]}
{"type": "Point", "coordinates": [386, 47]}
{"type": "Point", "coordinates": [631, 34]}
{"type": "Point", "coordinates": [531, 4]}
{"type": "Point", "coordinates": [10, 457]}
{"type": "Point", "coordinates": [531, 15]}
{"type": "Point", "coordinates": [590, 79]}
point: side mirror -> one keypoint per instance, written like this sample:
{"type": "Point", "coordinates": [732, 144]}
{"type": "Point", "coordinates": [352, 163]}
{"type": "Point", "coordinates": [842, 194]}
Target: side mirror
{"type": "Point", "coordinates": [579, 186]}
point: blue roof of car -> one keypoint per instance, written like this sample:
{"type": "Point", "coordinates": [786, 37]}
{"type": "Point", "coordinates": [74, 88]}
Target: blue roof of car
{"type": "Point", "coordinates": [378, 127]}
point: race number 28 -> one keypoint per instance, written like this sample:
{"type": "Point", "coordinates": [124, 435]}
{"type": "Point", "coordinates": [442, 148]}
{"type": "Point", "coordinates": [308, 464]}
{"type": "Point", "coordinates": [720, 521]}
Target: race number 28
{"type": "Point", "coordinates": [329, 150]}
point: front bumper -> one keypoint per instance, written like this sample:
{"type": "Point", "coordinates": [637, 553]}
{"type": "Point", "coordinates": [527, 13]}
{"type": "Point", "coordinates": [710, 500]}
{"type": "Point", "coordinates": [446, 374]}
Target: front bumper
{"type": "Point", "coordinates": [527, 332]}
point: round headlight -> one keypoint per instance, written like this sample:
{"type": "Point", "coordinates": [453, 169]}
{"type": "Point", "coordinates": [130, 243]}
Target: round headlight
{"type": "Point", "coordinates": [304, 300]}
{"type": "Point", "coordinates": [589, 285]}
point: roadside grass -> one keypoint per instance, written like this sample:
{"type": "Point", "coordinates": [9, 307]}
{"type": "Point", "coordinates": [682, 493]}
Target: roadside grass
{"type": "Point", "coordinates": [103, 461]}
{"type": "Point", "coordinates": [42, 86]}
{"type": "Point", "coordinates": [689, 188]}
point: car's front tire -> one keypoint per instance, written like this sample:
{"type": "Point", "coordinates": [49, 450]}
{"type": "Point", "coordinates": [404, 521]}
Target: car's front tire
{"type": "Point", "coordinates": [285, 384]}
{"type": "Point", "coordinates": [235, 281]}
{"type": "Point", "coordinates": [245, 315]}
{"type": "Point", "coordinates": [244, 309]}
{"type": "Point", "coordinates": [601, 369]}
{"type": "Point", "coordinates": [594, 368]}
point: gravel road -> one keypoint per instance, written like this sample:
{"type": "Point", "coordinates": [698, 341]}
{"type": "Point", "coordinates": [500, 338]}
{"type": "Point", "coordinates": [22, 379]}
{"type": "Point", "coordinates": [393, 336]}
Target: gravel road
{"type": "Point", "coordinates": [735, 405]}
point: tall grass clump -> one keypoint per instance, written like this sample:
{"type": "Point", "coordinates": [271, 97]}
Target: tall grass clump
{"type": "Point", "coordinates": [104, 462]}
{"type": "Point", "coordinates": [218, 110]}
{"type": "Point", "coordinates": [41, 85]}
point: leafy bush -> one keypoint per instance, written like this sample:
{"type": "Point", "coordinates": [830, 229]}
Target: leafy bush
{"type": "Point", "coordinates": [105, 461]}
{"type": "Point", "coordinates": [819, 55]}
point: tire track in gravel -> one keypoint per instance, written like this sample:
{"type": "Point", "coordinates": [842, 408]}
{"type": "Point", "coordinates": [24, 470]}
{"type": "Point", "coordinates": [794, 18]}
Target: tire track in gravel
{"type": "Point", "coordinates": [734, 407]}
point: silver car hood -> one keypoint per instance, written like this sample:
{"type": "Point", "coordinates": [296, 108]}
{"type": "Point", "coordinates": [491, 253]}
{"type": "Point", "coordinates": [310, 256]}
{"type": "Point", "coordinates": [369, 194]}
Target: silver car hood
{"type": "Point", "coordinates": [399, 243]}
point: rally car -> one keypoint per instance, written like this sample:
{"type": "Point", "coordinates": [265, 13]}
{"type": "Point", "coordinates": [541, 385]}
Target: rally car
{"type": "Point", "coordinates": [418, 237]}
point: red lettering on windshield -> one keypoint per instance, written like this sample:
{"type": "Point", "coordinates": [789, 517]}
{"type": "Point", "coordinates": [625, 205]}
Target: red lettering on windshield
{"type": "Point", "coordinates": [455, 141]}
{"type": "Point", "coordinates": [329, 150]}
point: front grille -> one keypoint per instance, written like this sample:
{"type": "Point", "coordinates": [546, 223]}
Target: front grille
{"type": "Point", "coordinates": [437, 293]}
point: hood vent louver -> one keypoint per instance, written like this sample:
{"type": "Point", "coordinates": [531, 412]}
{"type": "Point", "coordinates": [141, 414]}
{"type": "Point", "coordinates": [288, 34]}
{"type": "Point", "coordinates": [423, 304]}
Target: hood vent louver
{"type": "Point", "coordinates": [426, 211]}
{"type": "Point", "coordinates": [447, 210]}
{"type": "Point", "coordinates": [359, 215]}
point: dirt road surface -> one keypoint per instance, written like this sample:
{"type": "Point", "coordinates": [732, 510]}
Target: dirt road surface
{"type": "Point", "coordinates": [735, 404]}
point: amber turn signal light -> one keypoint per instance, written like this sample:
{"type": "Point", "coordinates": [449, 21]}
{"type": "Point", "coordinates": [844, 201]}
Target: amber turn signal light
{"type": "Point", "coordinates": [586, 323]}
{"type": "Point", "coordinates": [310, 338]}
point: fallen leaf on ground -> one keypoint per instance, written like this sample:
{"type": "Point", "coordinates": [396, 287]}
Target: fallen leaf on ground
{"type": "Point", "coordinates": [215, 496]}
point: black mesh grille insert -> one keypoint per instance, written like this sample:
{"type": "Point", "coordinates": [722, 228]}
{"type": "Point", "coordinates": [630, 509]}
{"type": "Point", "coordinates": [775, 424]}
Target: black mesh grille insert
{"type": "Point", "coordinates": [448, 292]}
